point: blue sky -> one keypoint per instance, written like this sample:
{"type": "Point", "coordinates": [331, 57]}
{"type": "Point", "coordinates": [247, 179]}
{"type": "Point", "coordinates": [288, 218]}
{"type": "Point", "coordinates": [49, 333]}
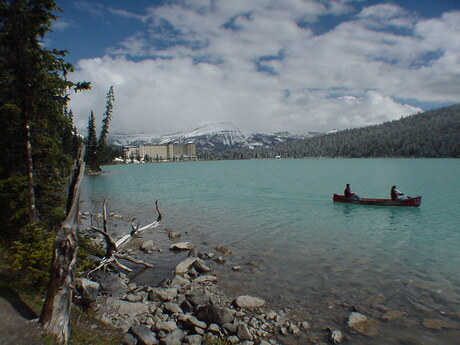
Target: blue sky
{"type": "Point", "coordinates": [264, 65]}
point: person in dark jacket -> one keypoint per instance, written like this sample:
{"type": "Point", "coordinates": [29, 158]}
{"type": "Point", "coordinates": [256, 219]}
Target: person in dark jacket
{"type": "Point", "coordinates": [396, 194]}
{"type": "Point", "coordinates": [349, 194]}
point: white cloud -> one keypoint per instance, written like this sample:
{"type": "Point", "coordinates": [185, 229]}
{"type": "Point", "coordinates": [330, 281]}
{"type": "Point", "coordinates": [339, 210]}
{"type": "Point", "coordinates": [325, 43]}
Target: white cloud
{"type": "Point", "coordinates": [349, 76]}
{"type": "Point", "coordinates": [61, 25]}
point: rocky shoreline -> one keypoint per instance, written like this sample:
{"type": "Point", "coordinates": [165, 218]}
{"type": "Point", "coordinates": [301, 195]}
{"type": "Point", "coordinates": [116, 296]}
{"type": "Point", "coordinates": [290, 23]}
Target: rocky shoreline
{"type": "Point", "coordinates": [187, 309]}
{"type": "Point", "coordinates": [191, 308]}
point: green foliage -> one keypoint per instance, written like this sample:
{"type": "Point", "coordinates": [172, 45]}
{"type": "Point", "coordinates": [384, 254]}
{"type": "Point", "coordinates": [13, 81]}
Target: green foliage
{"type": "Point", "coordinates": [13, 198]}
{"type": "Point", "coordinates": [31, 254]}
{"type": "Point", "coordinates": [91, 143]}
{"type": "Point", "coordinates": [106, 120]}
{"type": "Point", "coordinates": [86, 248]}
{"type": "Point", "coordinates": [98, 152]}
{"type": "Point", "coordinates": [34, 91]}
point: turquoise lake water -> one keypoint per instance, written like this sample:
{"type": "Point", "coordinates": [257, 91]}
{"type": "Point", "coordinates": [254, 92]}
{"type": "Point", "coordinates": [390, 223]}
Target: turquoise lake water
{"type": "Point", "coordinates": [307, 252]}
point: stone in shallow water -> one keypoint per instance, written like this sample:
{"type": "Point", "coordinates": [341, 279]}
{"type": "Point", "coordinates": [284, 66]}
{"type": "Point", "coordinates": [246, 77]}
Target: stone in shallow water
{"type": "Point", "coordinates": [246, 301]}
{"type": "Point", "coordinates": [183, 267]}
{"type": "Point", "coordinates": [224, 250]}
{"type": "Point", "coordinates": [148, 246]}
{"type": "Point", "coordinates": [201, 267]}
{"type": "Point", "coordinates": [336, 336]}
{"type": "Point", "coordinates": [182, 246]}
{"type": "Point", "coordinates": [439, 324]}
{"type": "Point", "coordinates": [362, 324]}
{"type": "Point", "coordinates": [392, 315]}
{"type": "Point", "coordinates": [173, 234]}
{"type": "Point", "coordinates": [205, 279]}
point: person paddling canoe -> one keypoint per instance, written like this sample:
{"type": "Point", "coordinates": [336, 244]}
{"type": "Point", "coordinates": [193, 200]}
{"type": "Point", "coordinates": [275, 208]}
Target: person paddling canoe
{"type": "Point", "coordinates": [396, 194]}
{"type": "Point", "coordinates": [349, 194]}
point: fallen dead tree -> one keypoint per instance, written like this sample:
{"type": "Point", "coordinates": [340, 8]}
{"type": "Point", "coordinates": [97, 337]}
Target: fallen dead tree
{"type": "Point", "coordinates": [55, 314]}
{"type": "Point", "coordinates": [115, 249]}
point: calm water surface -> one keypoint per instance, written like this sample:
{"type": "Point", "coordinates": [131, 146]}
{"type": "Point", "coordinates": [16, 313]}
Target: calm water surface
{"type": "Point", "coordinates": [305, 251]}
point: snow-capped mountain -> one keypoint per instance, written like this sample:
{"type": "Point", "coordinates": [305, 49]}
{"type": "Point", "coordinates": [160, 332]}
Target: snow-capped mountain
{"type": "Point", "coordinates": [213, 137]}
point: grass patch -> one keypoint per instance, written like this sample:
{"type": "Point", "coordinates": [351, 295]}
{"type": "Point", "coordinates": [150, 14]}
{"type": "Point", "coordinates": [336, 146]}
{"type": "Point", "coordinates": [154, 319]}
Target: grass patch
{"type": "Point", "coordinates": [88, 329]}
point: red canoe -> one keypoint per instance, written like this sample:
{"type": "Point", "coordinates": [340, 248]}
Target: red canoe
{"type": "Point", "coordinates": [415, 201]}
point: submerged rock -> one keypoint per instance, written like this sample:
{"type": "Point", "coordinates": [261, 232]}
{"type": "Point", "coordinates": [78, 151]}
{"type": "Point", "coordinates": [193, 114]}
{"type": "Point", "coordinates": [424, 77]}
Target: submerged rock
{"type": "Point", "coordinates": [362, 324]}
{"type": "Point", "coordinates": [246, 301]}
{"type": "Point", "coordinates": [439, 324]}
{"type": "Point", "coordinates": [392, 315]}
{"type": "Point", "coordinates": [173, 234]}
{"type": "Point", "coordinates": [148, 247]}
{"type": "Point", "coordinates": [336, 336]}
{"type": "Point", "coordinates": [224, 250]}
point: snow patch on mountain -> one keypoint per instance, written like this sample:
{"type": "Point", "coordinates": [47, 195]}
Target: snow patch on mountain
{"type": "Point", "coordinates": [213, 137]}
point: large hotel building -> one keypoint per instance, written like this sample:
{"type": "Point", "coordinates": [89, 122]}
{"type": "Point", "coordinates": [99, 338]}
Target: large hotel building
{"type": "Point", "coordinates": [160, 152]}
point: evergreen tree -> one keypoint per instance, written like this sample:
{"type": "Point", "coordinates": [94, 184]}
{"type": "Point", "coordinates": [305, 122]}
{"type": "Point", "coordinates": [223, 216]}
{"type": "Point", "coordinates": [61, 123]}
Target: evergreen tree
{"type": "Point", "coordinates": [102, 142]}
{"type": "Point", "coordinates": [91, 143]}
{"type": "Point", "coordinates": [34, 92]}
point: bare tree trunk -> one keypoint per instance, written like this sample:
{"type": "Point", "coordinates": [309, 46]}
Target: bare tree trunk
{"type": "Point", "coordinates": [30, 178]}
{"type": "Point", "coordinates": [55, 315]}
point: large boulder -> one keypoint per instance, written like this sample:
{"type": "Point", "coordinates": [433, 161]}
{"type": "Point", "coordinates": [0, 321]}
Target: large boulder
{"type": "Point", "coordinates": [173, 338]}
{"type": "Point", "coordinates": [125, 308]}
{"type": "Point", "coordinates": [184, 267]}
{"type": "Point", "coordinates": [212, 313]}
{"type": "Point", "coordinates": [144, 335]}
{"type": "Point", "coordinates": [110, 284]}
{"type": "Point", "coordinates": [201, 267]}
{"type": "Point", "coordinates": [87, 289]}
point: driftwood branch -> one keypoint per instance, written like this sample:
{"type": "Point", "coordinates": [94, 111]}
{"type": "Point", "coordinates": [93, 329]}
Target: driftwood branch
{"type": "Point", "coordinates": [55, 315]}
{"type": "Point", "coordinates": [115, 248]}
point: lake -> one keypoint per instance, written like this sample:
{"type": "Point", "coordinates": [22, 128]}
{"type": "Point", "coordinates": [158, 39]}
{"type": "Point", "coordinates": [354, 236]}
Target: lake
{"type": "Point", "coordinates": [296, 247]}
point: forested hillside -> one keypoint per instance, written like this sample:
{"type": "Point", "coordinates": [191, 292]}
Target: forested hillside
{"type": "Point", "coordinates": [37, 137]}
{"type": "Point", "coordinates": [435, 133]}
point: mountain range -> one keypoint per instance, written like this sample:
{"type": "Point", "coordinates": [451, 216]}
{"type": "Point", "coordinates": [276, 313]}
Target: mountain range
{"type": "Point", "coordinates": [211, 137]}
